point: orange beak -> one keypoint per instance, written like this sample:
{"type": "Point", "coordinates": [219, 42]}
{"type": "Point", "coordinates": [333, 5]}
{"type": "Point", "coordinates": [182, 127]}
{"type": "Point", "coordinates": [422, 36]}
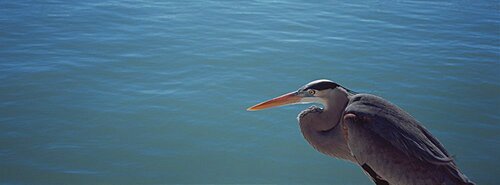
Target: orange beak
{"type": "Point", "coordinates": [286, 99]}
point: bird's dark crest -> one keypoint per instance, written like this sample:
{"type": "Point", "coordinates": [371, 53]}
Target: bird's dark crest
{"type": "Point", "coordinates": [324, 84]}
{"type": "Point", "coordinates": [321, 85]}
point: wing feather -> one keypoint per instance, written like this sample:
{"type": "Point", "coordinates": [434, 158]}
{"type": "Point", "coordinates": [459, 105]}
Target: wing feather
{"type": "Point", "coordinates": [402, 131]}
{"type": "Point", "coordinates": [398, 128]}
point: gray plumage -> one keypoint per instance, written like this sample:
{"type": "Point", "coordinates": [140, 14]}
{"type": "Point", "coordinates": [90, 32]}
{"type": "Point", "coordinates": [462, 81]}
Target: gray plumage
{"type": "Point", "coordinates": [395, 145]}
{"type": "Point", "coordinates": [389, 144]}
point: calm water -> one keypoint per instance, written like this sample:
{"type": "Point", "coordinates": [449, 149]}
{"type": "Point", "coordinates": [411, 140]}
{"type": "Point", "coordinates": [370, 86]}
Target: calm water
{"type": "Point", "coordinates": [145, 92]}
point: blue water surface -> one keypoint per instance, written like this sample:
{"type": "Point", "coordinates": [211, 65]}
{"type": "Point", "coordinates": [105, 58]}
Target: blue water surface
{"type": "Point", "coordinates": [155, 92]}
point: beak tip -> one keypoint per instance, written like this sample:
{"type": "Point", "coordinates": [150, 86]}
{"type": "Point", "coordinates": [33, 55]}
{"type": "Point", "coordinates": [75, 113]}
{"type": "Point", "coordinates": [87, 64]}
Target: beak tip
{"type": "Point", "coordinates": [286, 99]}
{"type": "Point", "coordinates": [251, 109]}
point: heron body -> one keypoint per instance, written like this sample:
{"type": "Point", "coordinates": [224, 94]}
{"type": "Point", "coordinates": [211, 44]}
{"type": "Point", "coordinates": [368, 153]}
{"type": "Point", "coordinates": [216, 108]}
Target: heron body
{"type": "Point", "coordinates": [389, 144]}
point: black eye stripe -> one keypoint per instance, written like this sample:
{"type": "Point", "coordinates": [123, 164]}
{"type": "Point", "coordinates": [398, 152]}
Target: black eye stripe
{"type": "Point", "coordinates": [322, 86]}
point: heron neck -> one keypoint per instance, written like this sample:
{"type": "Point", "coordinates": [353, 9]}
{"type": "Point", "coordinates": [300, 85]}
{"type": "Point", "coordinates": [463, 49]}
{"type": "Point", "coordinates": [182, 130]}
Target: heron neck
{"type": "Point", "coordinates": [322, 129]}
{"type": "Point", "coordinates": [334, 105]}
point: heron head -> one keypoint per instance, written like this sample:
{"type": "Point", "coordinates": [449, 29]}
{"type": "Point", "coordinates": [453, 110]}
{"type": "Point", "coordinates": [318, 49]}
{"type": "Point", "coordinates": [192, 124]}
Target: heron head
{"type": "Point", "coordinates": [317, 91]}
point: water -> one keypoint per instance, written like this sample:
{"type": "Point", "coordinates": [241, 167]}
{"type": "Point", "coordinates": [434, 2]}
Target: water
{"type": "Point", "coordinates": [145, 92]}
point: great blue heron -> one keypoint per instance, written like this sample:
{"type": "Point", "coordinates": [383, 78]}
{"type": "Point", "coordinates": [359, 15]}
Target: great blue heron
{"type": "Point", "coordinates": [389, 144]}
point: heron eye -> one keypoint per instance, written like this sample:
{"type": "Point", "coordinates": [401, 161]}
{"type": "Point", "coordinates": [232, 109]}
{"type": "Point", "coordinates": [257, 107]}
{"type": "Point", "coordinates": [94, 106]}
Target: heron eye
{"type": "Point", "coordinates": [311, 92]}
